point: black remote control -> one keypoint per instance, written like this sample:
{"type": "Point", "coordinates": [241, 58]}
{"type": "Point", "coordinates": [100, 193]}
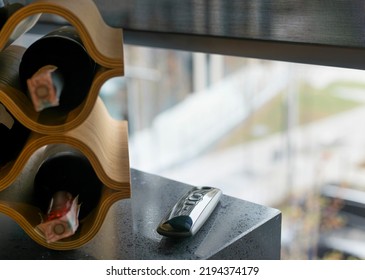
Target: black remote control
{"type": "Point", "coordinates": [190, 212]}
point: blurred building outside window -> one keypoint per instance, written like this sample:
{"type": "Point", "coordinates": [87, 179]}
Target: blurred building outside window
{"type": "Point", "coordinates": [285, 135]}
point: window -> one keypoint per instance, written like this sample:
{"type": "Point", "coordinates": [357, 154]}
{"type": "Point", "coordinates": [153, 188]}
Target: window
{"type": "Point", "coordinates": [285, 135]}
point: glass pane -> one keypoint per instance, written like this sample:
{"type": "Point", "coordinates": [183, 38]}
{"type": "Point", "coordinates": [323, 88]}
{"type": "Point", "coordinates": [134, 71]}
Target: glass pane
{"type": "Point", "coordinates": [285, 135]}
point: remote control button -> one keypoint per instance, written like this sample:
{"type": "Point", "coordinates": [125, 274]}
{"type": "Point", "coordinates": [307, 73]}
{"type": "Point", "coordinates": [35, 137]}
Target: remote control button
{"type": "Point", "coordinates": [195, 197]}
{"type": "Point", "coordinates": [190, 202]}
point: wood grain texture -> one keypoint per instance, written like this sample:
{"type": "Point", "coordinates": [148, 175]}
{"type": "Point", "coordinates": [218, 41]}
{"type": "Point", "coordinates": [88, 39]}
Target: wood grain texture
{"type": "Point", "coordinates": [88, 128]}
{"type": "Point", "coordinates": [28, 217]}
{"type": "Point", "coordinates": [104, 141]}
{"type": "Point", "coordinates": [53, 122]}
{"type": "Point", "coordinates": [103, 43]}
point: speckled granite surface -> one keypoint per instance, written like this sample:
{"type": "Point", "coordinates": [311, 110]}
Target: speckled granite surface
{"type": "Point", "coordinates": [237, 229]}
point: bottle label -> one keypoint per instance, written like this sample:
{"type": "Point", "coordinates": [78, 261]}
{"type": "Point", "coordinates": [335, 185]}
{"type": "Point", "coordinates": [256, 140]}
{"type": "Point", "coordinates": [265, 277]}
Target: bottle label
{"type": "Point", "coordinates": [5, 118]}
{"type": "Point", "coordinates": [62, 217]}
{"type": "Point", "coordinates": [43, 91]}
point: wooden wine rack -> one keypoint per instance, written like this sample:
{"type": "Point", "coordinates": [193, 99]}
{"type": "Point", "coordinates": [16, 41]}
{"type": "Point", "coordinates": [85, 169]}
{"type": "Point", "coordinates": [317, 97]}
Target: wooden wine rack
{"type": "Point", "coordinates": [88, 128]}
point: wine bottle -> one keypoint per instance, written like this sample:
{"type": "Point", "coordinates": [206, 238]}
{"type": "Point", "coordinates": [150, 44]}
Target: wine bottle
{"type": "Point", "coordinates": [57, 71]}
{"type": "Point", "coordinates": [10, 59]}
{"type": "Point", "coordinates": [6, 11]}
{"type": "Point", "coordinates": [66, 170]}
{"type": "Point", "coordinates": [13, 134]}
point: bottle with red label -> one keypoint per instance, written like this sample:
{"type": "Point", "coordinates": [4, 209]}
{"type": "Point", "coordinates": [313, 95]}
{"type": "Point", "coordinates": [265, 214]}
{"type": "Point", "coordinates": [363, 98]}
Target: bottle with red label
{"type": "Point", "coordinates": [67, 169]}
{"type": "Point", "coordinates": [66, 189]}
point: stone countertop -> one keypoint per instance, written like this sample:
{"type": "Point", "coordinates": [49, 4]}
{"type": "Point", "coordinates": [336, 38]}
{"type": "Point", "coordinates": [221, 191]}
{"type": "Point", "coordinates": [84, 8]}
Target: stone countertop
{"type": "Point", "coordinates": [237, 229]}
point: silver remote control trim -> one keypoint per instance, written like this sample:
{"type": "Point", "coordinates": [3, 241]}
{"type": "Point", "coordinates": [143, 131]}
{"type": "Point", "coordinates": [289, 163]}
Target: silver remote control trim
{"type": "Point", "coordinates": [190, 212]}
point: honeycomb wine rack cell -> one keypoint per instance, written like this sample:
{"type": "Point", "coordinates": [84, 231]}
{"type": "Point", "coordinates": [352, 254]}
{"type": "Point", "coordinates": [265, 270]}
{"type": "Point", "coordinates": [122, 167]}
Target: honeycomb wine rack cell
{"type": "Point", "coordinates": [103, 43]}
{"type": "Point", "coordinates": [88, 128]}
